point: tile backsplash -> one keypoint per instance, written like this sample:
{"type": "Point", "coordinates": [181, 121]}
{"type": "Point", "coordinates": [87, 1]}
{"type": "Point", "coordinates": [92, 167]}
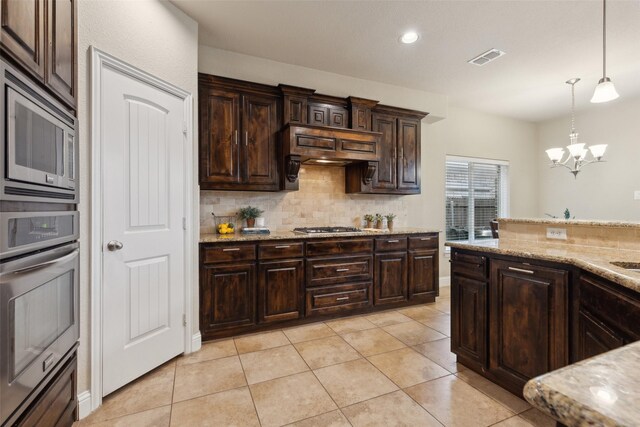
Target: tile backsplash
{"type": "Point", "coordinates": [321, 201]}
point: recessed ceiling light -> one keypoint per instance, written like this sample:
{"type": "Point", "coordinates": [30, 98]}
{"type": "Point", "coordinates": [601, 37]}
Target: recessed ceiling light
{"type": "Point", "coordinates": [409, 37]}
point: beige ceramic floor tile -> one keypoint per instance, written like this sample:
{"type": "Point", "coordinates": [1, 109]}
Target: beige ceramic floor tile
{"type": "Point", "coordinates": [440, 352]}
{"type": "Point", "coordinates": [210, 351]}
{"type": "Point", "coordinates": [421, 312]}
{"type": "Point", "coordinates": [272, 363]}
{"type": "Point", "coordinates": [373, 341]}
{"type": "Point", "coordinates": [227, 408]}
{"type": "Point", "coordinates": [456, 404]}
{"type": "Point", "coordinates": [413, 333]}
{"type": "Point", "coordinates": [158, 417]}
{"type": "Point", "coordinates": [330, 419]}
{"type": "Point", "coordinates": [289, 399]}
{"type": "Point", "coordinates": [494, 391]}
{"type": "Point", "coordinates": [209, 377]}
{"type": "Point", "coordinates": [393, 409]}
{"type": "Point", "coordinates": [352, 324]}
{"type": "Point", "coordinates": [354, 382]}
{"type": "Point", "coordinates": [514, 422]}
{"type": "Point", "coordinates": [406, 367]}
{"type": "Point", "coordinates": [153, 390]}
{"type": "Point", "coordinates": [445, 291]}
{"type": "Point", "coordinates": [326, 351]}
{"type": "Point", "coordinates": [444, 305]}
{"type": "Point", "coordinates": [261, 341]}
{"type": "Point", "coordinates": [537, 418]}
{"type": "Point", "coordinates": [308, 332]}
{"type": "Point", "coordinates": [440, 323]}
{"type": "Point", "coordinates": [388, 318]}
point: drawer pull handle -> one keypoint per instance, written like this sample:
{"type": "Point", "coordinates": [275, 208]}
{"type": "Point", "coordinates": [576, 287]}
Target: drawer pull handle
{"type": "Point", "coordinates": [393, 241]}
{"type": "Point", "coordinates": [426, 238]}
{"type": "Point", "coordinates": [521, 270]}
{"type": "Point", "coordinates": [342, 269]}
{"type": "Point", "coordinates": [283, 246]}
{"type": "Point", "coordinates": [342, 299]}
{"type": "Point", "coordinates": [230, 249]}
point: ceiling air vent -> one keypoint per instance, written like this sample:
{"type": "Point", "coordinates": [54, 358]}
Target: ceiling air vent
{"type": "Point", "coordinates": [486, 57]}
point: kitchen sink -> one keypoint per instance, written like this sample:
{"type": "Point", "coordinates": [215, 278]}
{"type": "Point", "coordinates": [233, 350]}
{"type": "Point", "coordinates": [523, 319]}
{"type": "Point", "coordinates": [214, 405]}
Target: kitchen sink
{"type": "Point", "coordinates": [632, 266]}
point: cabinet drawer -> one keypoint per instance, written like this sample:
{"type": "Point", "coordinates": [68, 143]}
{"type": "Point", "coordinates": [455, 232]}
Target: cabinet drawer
{"type": "Point", "coordinates": [337, 247]}
{"type": "Point", "coordinates": [391, 244]}
{"type": "Point", "coordinates": [280, 250]}
{"type": "Point", "coordinates": [424, 242]}
{"type": "Point", "coordinates": [334, 299]}
{"type": "Point", "coordinates": [473, 266]}
{"type": "Point", "coordinates": [242, 252]}
{"type": "Point", "coordinates": [329, 271]}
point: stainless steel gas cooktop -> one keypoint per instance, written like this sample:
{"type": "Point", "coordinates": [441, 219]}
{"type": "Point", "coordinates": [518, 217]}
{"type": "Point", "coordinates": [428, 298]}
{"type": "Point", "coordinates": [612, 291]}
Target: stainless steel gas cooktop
{"type": "Point", "coordinates": [320, 230]}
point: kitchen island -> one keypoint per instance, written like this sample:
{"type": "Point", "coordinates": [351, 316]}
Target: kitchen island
{"type": "Point", "coordinates": [256, 282]}
{"type": "Point", "coordinates": [527, 305]}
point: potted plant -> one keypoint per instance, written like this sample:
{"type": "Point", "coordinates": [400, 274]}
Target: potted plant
{"type": "Point", "coordinates": [378, 221]}
{"type": "Point", "coordinates": [369, 218]}
{"type": "Point", "coordinates": [390, 218]}
{"type": "Point", "coordinates": [250, 214]}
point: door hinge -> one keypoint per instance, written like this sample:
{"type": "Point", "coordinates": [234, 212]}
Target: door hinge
{"type": "Point", "coordinates": [184, 223]}
{"type": "Point", "coordinates": [184, 320]}
{"type": "Point", "coordinates": [184, 128]}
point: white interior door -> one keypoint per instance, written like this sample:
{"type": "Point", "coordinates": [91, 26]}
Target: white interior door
{"type": "Point", "coordinates": [143, 204]}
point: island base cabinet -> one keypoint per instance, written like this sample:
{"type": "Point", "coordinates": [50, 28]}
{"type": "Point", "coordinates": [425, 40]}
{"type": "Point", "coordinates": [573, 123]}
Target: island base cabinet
{"type": "Point", "coordinates": [528, 322]}
{"type": "Point", "coordinates": [469, 320]}
{"type": "Point", "coordinates": [280, 290]}
{"type": "Point", "coordinates": [227, 297]}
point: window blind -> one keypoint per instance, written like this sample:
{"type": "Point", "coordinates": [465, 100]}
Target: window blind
{"type": "Point", "coordinates": [476, 193]}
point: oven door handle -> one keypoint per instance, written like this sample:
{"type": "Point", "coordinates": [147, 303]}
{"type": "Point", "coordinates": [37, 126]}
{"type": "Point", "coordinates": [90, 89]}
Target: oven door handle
{"type": "Point", "coordinates": [47, 263]}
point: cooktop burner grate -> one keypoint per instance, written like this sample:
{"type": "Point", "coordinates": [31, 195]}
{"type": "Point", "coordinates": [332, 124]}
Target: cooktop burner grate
{"type": "Point", "coordinates": [317, 230]}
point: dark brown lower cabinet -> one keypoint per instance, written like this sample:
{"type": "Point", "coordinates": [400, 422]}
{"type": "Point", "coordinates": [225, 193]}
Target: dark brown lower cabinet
{"type": "Point", "coordinates": [391, 278]}
{"type": "Point", "coordinates": [469, 319]}
{"type": "Point", "coordinates": [423, 271]}
{"type": "Point", "coordinates": [528, 321]}
{"type": "Point", "coordinates": [338, 298]}
{"type": "Point", "coordinates": [594, 337]}
{"type": "Point", "coordinates": [280, 290]}
{"type": "Point", "coordinates": [227, 297]}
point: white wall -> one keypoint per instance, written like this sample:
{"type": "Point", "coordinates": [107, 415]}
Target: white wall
{"type": "Point", "coordinates": [154, 36]}
{"type": "Point", "coordinates": [463, 132]}
{"type": "Point", "coordinates": [601, 191]}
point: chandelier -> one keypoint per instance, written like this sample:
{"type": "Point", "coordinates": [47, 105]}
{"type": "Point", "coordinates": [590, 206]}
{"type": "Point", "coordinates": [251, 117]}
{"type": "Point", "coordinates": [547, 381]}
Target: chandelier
{"type": "Point", "coordinates": [578, 153]}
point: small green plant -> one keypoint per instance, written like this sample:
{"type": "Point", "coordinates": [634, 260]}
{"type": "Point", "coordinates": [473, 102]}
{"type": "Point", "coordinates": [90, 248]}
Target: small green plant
{"type": "Point", "coordinates": [567, 214]}
{"type": "Point", "coordinates": [250, 212]}
{"type": "Point", "coordinates": [378, 217]}
{"type": "Point", "coordinates": [390, 217]}
{"type": "Point", "coordinates": [369, 218]}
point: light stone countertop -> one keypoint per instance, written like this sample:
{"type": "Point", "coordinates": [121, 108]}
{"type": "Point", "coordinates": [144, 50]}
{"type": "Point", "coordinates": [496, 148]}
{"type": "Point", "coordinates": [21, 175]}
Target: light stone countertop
{"type": "Point", "coordinates": [287, 235]}
{"type": "Point", "coordinates": [592, 259]}
{"type": "Point", "coordinates": [560, 222]}
{"type": "Point", "coordinates": [601, 391]}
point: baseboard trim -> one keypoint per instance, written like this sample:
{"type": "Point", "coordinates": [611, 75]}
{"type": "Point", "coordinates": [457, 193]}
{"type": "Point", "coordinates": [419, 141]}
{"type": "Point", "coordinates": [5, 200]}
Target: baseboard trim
{"type": "Point", "coordinates": [196, 342]}
{"type": "Point", "coordinates": [84, 404]}
{"type": "Point", "coordinates": [445, 281]}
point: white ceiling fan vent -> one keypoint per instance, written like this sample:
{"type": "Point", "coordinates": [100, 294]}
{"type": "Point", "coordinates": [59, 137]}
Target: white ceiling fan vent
{"type": "Point", "coordinates": [486, 57]}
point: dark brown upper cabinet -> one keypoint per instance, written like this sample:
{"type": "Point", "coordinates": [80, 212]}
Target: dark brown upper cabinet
{"type": "Point", "coordinates": [41, 38]}
{"type": "Point", "coordinates": [398, 168]}
{"type": "Point", "coordinates": [239, 126]}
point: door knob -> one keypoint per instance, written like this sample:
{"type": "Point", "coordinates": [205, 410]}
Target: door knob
{"type": "Point", "coordinates": [114, 245]}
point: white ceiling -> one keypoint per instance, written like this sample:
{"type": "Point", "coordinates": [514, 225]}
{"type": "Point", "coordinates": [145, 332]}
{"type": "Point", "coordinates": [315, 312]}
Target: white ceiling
{"type": "Point", "coordinates": [547, 42]}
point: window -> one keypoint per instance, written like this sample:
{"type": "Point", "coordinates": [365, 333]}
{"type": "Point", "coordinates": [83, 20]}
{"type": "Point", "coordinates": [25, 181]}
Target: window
{"type": "Point", "coordinates": [476, 193]}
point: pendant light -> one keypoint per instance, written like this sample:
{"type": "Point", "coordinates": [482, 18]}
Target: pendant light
{"type": "Point", "coordinates": [605, 91]}
{"type": "Point", "coordinates": [578, 153]}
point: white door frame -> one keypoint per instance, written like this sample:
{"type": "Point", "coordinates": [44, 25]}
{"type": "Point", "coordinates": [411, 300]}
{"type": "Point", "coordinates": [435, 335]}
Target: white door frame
{"type": "Point", "coordinates": [99, 61]}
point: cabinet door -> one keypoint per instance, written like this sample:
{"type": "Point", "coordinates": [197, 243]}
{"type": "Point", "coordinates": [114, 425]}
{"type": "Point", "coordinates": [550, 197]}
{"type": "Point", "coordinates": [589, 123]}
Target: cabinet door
{"type": "Point", "coordinates": [280, 290]}
{"type": "Point", "coordinates": [594, 337]}
{"type": "Point", "coordinates": [528, 321]}
{"type": "Point", "coordinates": [385, 176]}
{"type": "Point", "coordinates": [423, 271]}
{"type": "Point", "coordinates": [227, 296]}
{"type": "Point", "coordinates": [391, 278]}
{"type": "Point", "coordinates": [61, 49]}
{"type": "Point", "coordinates": [23, 32]}
{"type": "Point", "coordinates": [219, 138]}
{"type": "Point", "coordinates": [259, 133]}
{"type": "Point", "coordinates": [409, 154]}
{"type": "Point", "coordinates": [469, 318]}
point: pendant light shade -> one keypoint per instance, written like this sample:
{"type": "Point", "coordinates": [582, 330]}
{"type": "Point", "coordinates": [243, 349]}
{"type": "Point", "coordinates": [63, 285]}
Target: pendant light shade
{"type": "Point", "coordinates": [605, 91]}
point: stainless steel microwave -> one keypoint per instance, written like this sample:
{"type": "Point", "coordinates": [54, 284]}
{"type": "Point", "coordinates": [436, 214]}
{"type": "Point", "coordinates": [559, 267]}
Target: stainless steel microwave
{"type": "Point", "coordinates": [39, 160]}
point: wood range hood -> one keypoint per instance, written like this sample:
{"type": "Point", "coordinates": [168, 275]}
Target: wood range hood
{"type": "Point", "coordinates": [327, 146]}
